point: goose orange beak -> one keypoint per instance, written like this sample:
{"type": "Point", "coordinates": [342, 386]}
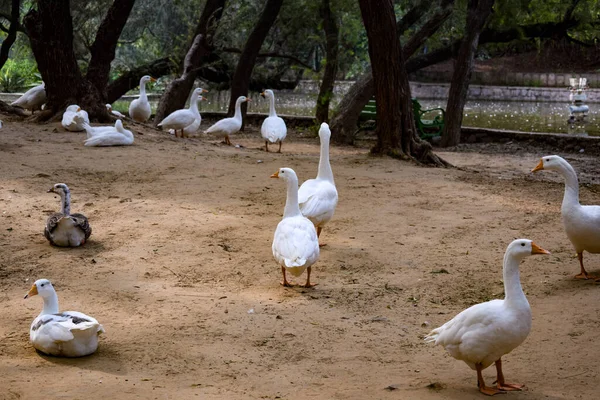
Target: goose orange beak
{"type": "Point", "coordinates": [152, 79]}
{"type": "Point", "coordinates": [538, 167]}
{"type": "Point", "coordinates": [204, 91]}
{"type": "Point", "coordinates": [262, 94]}
{"type": "Point", "coordinates": [275, 175]}
{"type": "Point", "coordinates": [32, 292]}
{"type": "Point", "coordinates": [535, 249]}
{"type": "Point", "coordinates": [78, 109]}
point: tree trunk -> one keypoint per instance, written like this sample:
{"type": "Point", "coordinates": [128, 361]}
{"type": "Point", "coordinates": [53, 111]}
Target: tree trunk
{"type": "Point", "coordinates": [478, 12]}
{"type": "Point", "coordinates": [12, 31]}
{"type": "Point", "coordinates": [344, 123]}
{"type": "Point", "coordinates": [200, 49]}
{"type": "Point", "coordinates": [50, 30]}
{"type": "Point", "coordinates": [243, 71]}
{"type": "Point", "coordinates": [105, 44]}
{"type": "Point", "coordinates": [331, 37]}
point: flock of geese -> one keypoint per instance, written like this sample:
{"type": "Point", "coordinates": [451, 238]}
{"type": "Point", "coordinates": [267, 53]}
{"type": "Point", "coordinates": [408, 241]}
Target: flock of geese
{"type": "Point", "coordinates": [479, 335]}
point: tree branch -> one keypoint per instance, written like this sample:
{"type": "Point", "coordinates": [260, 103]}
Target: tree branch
{"type": "Point", "coordinates": [131, 79]}
{"type": "Point", "coordinates": [12, 31]}
{"type": "Point", "coordinates": [271, 54]}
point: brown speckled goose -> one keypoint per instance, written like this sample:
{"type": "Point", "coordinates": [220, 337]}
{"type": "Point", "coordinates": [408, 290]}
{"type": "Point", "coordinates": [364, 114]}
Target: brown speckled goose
{"type": "Point", "coordinates": [63, 228]}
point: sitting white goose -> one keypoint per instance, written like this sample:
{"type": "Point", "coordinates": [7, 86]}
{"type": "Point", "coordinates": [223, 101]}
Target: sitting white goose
{"type": "Point", "coordinates": [139, 109]}
{"type": "Point", "coordinates": [114, 112]}
{"type": "Point", "coordinates": [483, 333]}
{"type": "Point", "coordinates": [33, 99]}
{"type": "Point", "coordinates": [295, 243]}
{"type": "Point", "coordinates": [100, 136]}
{"type": "Point", "coordinates": [319, 197]}
{"type": "Point", "coordinates": [273, 128]}
{"type": "Point", "coordinates": [229, 126]}
{"type": "Point", "coordinates": [67, 333]}
{"type": "Point", "coordinates": [63, 228]}
{"type": "Point", "coordinates": [68, 119]}
{"type": "Point", "coordinates": [582, 223]}
{"type": "Point", "coordinates": [179, 120]}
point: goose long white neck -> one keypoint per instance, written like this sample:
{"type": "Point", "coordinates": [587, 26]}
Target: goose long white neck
{"type": "Point", "coordinates": [194, 103]}
{"type": "Point", "coordinates": [50, 304]}
{"type": "Point", "coordinates": [512, 281]}
{"type": "Point", "coordinates": [292, 209]}
{"type": "Point", "coordinates": [143, 90]}
{"type": "Point", "coordinates": [272, 112]}
{"type": "Point", "coordinates": [65, 202]}
{"type": "Point", "coordinates": [571, 197]}
{"type": "Point", "coordinates": [325, 171]}
{"type": "Point", "coordinates": [238, 109]}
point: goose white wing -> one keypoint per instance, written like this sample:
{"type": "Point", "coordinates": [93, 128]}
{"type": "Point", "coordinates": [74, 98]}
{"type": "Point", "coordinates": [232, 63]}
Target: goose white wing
{"type": "Point", "coordinates": [227, 125]}
{"type": "Point", "coordinates": [317, 199]}
{"type": "Point", "coordinates": [140, 110]}
{"type": "Point", "coordinates": [59, 327]}
{"type": "Point", "coordinates": [113, 138]}
{"type": "Point", "coordinates": [295, 244]}
{"type": "Point", "coordinates": [273, 129]}
{"type": "Point", "coordinates": [178, 119]}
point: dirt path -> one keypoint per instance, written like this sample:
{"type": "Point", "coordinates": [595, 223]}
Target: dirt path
{"type": "Point", "coordinates": [179, 271]}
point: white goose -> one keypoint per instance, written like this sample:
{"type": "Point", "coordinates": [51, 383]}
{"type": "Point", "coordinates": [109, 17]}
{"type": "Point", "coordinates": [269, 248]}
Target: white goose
{"type": "Point", "coordinates": [483, 333]}
{"type": "Point", "coordinates": [229, 126]}
{"type": "Point", "coordinates": [273, 128]}
{"type": "Point", "coordinates": [108, 135]}
{"type": "Point", "coordinates": [179, 120]}
{"type": "Point", "coordinates": [68, 120]}
{"type": "Point", "coordinates": [139, 109]}
{"type": "Point", "coordinates": [63, 228]}
{"type": "Point", "coordinates": [319, 197]}
{"type": "Point", "coordinates": [33, 99]}
{"type": "Point", "coordinates": [295, 243]}
{"type": "Point", "coordinates": [114, 112]}
{"type": "Point", "coordinates": [582, 223]}
{"type": "Point", "coordinates": [67, 333]}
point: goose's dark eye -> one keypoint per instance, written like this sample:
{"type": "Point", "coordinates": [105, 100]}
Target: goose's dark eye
{"type": "Point", "coordinates": [43, 284]}
{"type": "Point", "coordinates": [547, 160]}
{"type": "Point", "coordinates": [522, 244]}
{"type": "Point", "coordinates": [283, 172]}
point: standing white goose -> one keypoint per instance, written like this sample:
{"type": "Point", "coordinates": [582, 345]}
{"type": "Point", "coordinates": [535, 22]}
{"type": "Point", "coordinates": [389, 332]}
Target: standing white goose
{"type": "Point", "coordinates": [295, 243]}
{"type": "Point", "coordinates": [483, 333]}
{"type": "Point", "coordinates": [179, 120]}
{"type": "Point", "coordinates": [103, 136]}
{"type": "Point", "coordinates": [67, 333]}
{"type": "Point", "coordinates": [273, 128]}
{"type": "Point", "coordinates": [70, 123]}
{"type": "Point", "coordinates": [33, 99]}
{"type": "Point", "coordinates": [229, 126]}
{"type": "Point", "coordinates": [63, 228]}
{"type": "Point", "coordinates": [582, 223]}
{"type": "Point", "coordinates": [319, 197]}
{"type": "Point", "coordinates": [139, 109]}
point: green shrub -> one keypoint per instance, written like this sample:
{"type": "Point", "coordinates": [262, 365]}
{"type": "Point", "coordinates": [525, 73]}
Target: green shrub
{"type": "Point", "coordinates": [18, 75]}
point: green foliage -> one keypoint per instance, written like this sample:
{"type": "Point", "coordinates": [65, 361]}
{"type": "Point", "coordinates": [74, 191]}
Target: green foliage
{"type": "Point", "coordinates": [17, 75]}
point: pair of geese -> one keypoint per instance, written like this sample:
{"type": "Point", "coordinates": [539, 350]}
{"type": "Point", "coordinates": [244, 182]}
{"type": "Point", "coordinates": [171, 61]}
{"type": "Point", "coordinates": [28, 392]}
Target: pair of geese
{"type": "Point", "coordinates": [75, 120]}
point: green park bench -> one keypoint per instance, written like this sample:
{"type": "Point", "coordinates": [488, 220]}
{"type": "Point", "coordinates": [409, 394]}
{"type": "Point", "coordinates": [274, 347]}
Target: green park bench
{"type": "Point", "coordinates": [430, 126]}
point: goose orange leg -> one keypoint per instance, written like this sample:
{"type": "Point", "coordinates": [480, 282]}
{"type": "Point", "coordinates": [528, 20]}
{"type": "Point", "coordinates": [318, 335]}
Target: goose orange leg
{"type": "Point", "coordinates": [501, 384]}
{"type": "Point", "coordinates": [279, 151]}
{"type": "Point", "coordinates": [308, 284]}
{"type": "Point", "coordinates": [285, 282]}
{"type": "Point", "coordinates": [583, 274]}
{"type": "Point", "coordinates": [319, 229]}
{"type": "Point", "coordinates": [487, 390]}
{"type": "Point", "coordinates": [267, 146]}
{"type": "Point", "coordinates": [227, 141]}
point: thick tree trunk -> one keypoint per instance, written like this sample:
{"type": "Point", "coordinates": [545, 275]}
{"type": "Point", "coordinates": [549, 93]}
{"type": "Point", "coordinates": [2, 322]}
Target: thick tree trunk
{"type": "Point", "coordinates": [344, 123]}
{"type": "Point", "coordinates": [331, 38]}
{"type": "Point", "coordinates": [243, 71]}
{"type": "Point", "coordinates": [105, 44]}
{"type": "Point", "coordinates": [200, 49]}
{"type": "Point", "coordinates": [477, 14]}
{"type": "Point", "coordinates": [12, 31]}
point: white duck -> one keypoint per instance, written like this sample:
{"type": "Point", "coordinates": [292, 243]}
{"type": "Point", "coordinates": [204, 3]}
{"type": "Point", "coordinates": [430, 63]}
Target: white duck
{"type": "Point", "coordinates": [483, 333]}
{"type": "Point", "coordinates": [139, 109]}
{"type": "Point", "coordinates": [229, 126]}
{"type": "Point", "coordinates": [273, 128]}
{"type": "Point", "coordinates": [582, 223]}
{"type": "Point", "coordinates": [63, 228]}
{"type": "Point", "coordinates": [33, 99]}
{"type": "Point", "coordinates": [179, 120]}
{"type": "Point", "coordinates": [114, 112]}
{"type": "Point", "coordinates": [68, 119]}
{"type": "Point", "coordinates": [108, 135]}
{"type": "Point", "coordinates": [319, 197]}
{"type": "Point", "coordinates": [67, 333]}
{"type": "Point", "coordinates": [295, 243]}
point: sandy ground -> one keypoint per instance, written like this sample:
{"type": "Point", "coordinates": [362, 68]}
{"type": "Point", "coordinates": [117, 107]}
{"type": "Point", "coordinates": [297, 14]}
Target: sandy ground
{"type": "Point", "coordinates": [179, 271]}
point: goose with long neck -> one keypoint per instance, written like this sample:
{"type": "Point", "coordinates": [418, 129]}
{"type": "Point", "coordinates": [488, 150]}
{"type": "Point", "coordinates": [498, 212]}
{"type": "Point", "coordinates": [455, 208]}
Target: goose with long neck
{"type": "Point", "coordinates": [103, 136]}
{"type": "Point", "coordinates": [273, 128]}
{"type": "Point", "coordinates": [67, 333]}
{"type": "Point", "coordinates": [63, 228]}
{"type": "Point", "coordinates": [139, 109]}
{"type": "Point", "coordinates": [229, 126]}
{"type": "Point", "coordinates": [582, 223]}
{"type": "Point", "coordinates": [483, 333]}
{"type": "Point", "coordinates": [180, 119]}
{"type": "Point", "coordinates": [318, 197]}
{"type": "Point", "coordinates": [295, 243]}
